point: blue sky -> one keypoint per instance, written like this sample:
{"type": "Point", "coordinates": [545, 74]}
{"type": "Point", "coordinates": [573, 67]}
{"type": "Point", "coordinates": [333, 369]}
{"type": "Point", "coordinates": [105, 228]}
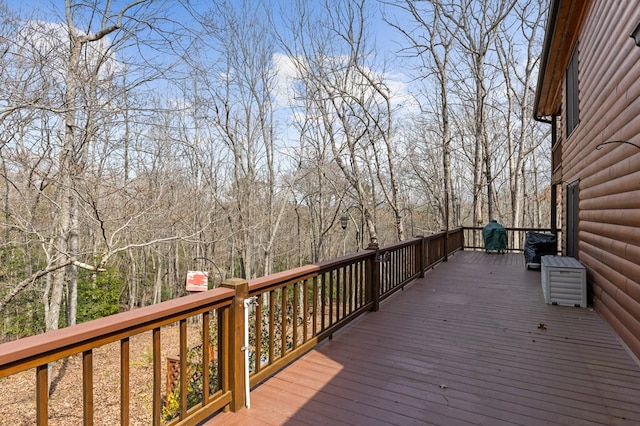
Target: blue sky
{"type": "Point", "coordinates": [387, 38]}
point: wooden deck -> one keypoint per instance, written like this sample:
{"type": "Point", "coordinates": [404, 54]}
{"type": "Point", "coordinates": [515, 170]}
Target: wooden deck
{"type": "Point", "coordinates": [471, 343]}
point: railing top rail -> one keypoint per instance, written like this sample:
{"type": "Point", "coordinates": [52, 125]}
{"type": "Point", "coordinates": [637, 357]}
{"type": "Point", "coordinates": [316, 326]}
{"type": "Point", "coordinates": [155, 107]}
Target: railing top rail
{"type": "Point", "coordinates": [509, 228]}
{"type": "Point", "coordinates": [302, 272]}
{"type": "Point", "coordinates": [401, 244]}
{"type": "Point", "coordinates": [417, 238]}
{"type": "Point", "coordinates": [55, 344]}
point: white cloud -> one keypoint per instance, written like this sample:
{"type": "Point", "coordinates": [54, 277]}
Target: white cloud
{"type": "Point", "coordinates": [286, 77]}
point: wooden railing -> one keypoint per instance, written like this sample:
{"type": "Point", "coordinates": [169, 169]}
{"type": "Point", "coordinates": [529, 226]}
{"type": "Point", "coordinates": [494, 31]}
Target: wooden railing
{"type": "Point", "coordinates": [293, 311]}
{"type": "Point", "coordinates": [515, 237]}
{"type": "Point", "coordinates": [315, 301]}
{"type": "Point", "coordinates": [213, 308]}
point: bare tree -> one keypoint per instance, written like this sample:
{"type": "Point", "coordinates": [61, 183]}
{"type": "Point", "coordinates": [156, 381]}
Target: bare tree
{"type": "Point", "coordinates": [72, 92]}
{"type": "Point", "coordinates": [320, 186]}
{"type": "Point", "coordinates": [241, 87]}
{"type": "Point", "coordinates": [350, 102]}
{"type": "Point", "coordinates": [432, 45]}
{"type": "Point", "coordinates": [519, 66]}
{"type": "Point", "coordinates": [475, 27]}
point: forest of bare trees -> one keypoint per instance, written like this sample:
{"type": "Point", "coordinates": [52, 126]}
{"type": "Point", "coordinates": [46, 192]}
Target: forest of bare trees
{"type": "Point", "coordinates": [141, 139]}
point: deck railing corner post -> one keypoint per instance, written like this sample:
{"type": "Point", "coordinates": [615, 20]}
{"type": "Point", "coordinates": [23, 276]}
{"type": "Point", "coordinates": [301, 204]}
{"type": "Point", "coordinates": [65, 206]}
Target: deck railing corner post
{"type": "Point", "coordinates": [446, 244]}
{"type": "Point", "coordinates": [420, 255]}
{"type": "Point", "coordinates": [236, 329]}
{"type": "Point", "coordinates": [373, 276]}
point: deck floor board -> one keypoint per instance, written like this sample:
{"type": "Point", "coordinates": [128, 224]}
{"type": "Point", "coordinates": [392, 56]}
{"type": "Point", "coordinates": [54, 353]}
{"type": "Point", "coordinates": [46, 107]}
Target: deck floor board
{"type": "Point", "coordinates": [471, 343]}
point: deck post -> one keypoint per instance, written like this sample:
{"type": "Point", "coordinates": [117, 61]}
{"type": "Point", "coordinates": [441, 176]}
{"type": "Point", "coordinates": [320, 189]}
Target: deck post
{"type": "Point", "coordinates": [420, 256]}
{"type": "Point", "coordinates": [236, 342]}
{"type": "Point", "coordinates": [446, 244]}
{"type": "Point", "coordinates": [373, 275]}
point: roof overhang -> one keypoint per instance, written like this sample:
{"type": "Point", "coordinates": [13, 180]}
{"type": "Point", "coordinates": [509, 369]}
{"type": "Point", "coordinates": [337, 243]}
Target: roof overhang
{"type": "Point", "coordinates": [561, 35]}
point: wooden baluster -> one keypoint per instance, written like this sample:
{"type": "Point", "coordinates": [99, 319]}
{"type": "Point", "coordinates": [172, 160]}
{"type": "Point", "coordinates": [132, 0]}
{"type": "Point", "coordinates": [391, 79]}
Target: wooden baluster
{"type": "Point", "coordinates": [283, 321]}
{"type": "Point", "coordinates": [183, 368]}
{"type": "Point", "coordinates": [124, 381]}
{"type": "Point", "coordinates": [258, 365]}
{"type": "Point", "coordinates": [87, 387]}
{"type": "Point", "coordinates": [296, 290]}
{"type": "Point", "coordinates": [305, 313]}
{"type": "Point", "coordinates": [42, 395]}
{"type": "Point", "coordinates": [206, 358]}
{"type": "Point", "coordinates": [314, 308]}
{"type": "Point", "coordinates": [272, 326]}
{"type": "Point", "coordinates": [157, 377]}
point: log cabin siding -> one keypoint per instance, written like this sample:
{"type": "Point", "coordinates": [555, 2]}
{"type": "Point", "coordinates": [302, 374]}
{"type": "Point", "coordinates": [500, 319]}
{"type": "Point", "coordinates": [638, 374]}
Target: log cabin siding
{"type": "Point", "coordinates": [609, 177]}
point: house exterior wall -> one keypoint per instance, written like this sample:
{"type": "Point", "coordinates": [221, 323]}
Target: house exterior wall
{"type": "Point", "coordinates": [609, 177]}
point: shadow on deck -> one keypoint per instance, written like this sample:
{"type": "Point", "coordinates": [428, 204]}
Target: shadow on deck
{"type": "Point", "coordinates": [471, 343]}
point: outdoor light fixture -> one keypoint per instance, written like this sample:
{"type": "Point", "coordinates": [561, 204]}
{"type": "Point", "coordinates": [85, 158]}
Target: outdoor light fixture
{"type": "Point", "coordinates": [343, 222]}
{"type": "Point", "coordinates": [635, 34]}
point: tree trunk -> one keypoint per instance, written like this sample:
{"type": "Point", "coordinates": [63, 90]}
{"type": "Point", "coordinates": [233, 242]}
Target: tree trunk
{"type": "Point", "coordinates": [157, 286]}
{"type": "Point", "coordinates": [132, 282]}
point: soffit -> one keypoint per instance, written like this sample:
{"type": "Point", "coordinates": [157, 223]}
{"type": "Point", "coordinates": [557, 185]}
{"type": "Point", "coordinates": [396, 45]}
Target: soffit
{"type": "Point", "coordinates": [561, 34]}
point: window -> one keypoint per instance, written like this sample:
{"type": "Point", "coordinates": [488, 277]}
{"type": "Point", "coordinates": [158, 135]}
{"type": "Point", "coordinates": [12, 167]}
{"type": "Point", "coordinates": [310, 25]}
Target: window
{"type": "Point", "coordinates": [571, 83]}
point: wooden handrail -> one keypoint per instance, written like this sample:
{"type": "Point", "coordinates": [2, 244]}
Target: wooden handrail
{"type": "Point", "coordinates": [516, 236]}
{"type": "Point", "coordinates": [26, 353]}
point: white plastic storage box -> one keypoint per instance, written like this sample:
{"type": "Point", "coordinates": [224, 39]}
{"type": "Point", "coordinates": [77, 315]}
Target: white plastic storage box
{"type": "Point", "coordinates": [564, 281]}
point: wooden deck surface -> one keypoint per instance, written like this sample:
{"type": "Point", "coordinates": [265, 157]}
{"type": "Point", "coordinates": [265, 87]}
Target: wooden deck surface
{"type": "Point", "coordinates": [471, 343]}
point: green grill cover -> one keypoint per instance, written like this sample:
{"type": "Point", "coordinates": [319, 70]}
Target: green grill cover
{"type": "Point", "coordinates": [494, 236]}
